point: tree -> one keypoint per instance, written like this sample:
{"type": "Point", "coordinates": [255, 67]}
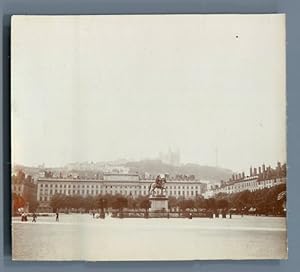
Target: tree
{"type": "Point", "coordinates": [89, 203]}
{"type": "Point", "coordinates": [58, 201]}
{"type": "Point", "coordinates": [132, 203]}
{"type": "Point", "coordinates": [101, 203]}
{"type": "Point", "coordinates": [119, 203]}
{"type": "Point", "coordinates": [145, 204]}
{"type": "Point", "coordinates": [172, 203]}
{"type": "Point", "coordinates": [18, 202]}
{"type": "Point", "coordinates": [186, 204]}
{"type": "Point", "coordinates": [210, 204]}
{"type": "Point", "coordinates": [199, 202]}
{"type": "Point", "coordinates": [222, 204]}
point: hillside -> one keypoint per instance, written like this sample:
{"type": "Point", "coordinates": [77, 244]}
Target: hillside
{"type": "Point", "coordinates": [154, 167]}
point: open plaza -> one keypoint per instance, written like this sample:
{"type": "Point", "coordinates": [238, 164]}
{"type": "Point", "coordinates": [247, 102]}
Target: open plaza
{"type": "Point", "coordinates": [82, 237]}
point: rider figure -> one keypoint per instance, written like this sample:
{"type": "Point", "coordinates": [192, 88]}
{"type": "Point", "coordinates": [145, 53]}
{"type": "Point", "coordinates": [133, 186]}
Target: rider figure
{"type": "Point", "coordinates": [158, 181]}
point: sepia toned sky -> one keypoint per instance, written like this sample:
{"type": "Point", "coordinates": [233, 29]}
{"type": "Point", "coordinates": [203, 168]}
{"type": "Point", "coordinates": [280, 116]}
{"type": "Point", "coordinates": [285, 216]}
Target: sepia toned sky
{"type": "Point", "coordinates": [109, 87]}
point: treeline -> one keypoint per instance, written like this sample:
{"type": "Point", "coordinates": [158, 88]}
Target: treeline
{"type": "Point", "coordinates": [263, 202]}
{"type": "Point", "coordinates": [268, 201]}
{"type": "Point", "coordinates": [85, 204]}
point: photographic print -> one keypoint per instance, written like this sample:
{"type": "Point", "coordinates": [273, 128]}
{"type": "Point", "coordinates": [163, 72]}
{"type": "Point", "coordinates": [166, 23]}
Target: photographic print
{"type": "Point", "coordinates": [148, 137]}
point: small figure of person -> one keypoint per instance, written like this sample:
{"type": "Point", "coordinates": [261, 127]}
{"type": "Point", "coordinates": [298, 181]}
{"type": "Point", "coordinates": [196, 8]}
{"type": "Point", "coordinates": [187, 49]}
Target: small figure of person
{"type": "Point", "coordinates": [57, 216]}
{"type": "Point", "coordinates": [34, 216]}
{"type": "Point", "coordinates": [93, 214]}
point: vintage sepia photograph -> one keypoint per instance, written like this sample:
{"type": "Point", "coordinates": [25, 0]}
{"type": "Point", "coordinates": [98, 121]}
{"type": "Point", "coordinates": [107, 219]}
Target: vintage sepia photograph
{"type": "Point", "coordinates": [148, 137]}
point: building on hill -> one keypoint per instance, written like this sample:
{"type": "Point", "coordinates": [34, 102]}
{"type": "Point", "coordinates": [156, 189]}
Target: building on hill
{"type": "Point", "coordinates": [170, 157]}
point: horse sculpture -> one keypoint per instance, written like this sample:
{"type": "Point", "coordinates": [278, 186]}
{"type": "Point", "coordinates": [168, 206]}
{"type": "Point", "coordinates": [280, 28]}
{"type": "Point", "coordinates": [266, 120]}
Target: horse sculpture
{"type": "Point", "coordinates": [158, 184]}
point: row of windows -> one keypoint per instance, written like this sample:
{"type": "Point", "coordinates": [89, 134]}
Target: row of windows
{"type": "Point", "coordinates": [96, 192]}
{"type": "Point", "coordinates": [253, 185]}
{"type": "Point", "coordinates": [110, 186]}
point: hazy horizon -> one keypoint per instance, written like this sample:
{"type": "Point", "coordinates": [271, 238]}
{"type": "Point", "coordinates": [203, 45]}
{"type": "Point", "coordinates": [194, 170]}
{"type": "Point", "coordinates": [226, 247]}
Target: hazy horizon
{"type": "Point", "coordinates": [144, 159]}
{"type": "Point", "coordinates": [107, 87]}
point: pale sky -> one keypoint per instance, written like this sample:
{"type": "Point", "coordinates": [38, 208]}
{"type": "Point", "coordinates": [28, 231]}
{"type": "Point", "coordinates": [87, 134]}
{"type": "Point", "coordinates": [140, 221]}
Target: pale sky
{"type": "Point", "coordinates": [108, 87]}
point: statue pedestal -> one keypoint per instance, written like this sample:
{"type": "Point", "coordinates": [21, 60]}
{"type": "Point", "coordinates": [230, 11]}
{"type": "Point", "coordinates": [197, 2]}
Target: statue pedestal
{"type": "Point", "coordinates": [158, 203]}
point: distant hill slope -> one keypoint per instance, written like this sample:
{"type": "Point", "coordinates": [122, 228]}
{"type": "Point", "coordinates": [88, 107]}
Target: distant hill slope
{"type": "Point", "coordinates": [155, 167]}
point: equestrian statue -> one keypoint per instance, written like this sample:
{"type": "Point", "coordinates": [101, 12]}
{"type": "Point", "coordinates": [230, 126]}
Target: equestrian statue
{"type": "Point", "coordinates": [159, 184]}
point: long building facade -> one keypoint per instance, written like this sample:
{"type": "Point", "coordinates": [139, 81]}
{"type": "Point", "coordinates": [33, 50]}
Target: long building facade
{"type": "Point", "coordinates": [258, 179]}
{"type": "Point", "coordinates": [123, 184]}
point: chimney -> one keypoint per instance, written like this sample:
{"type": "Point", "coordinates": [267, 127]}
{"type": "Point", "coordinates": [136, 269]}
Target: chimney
{"type": "Point", "coordinates": [259, 170]}
{"type": "Point", "coordinates": [264, 168]}
{"type": "Point", "coordinates": [251, 171]}
{"type": "Point", "coordinates": [255, 171]}
{"type": "Point", "coordinates": [243, 175]}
